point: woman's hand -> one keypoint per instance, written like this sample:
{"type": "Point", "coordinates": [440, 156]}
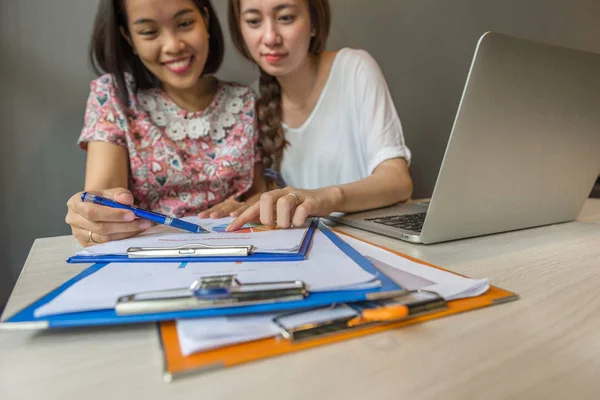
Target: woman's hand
{"type": "Point", "coordinates": [230, 207]}
{"type": "Point", "coordinates": [390, 183]}
{"type": "Point", "coordinates": [92, 223]}
{"type": "Point", "coordinates": [289, 206]}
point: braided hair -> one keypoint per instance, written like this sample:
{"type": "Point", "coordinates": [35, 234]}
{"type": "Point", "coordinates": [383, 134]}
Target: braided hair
{"type": "Point", "coordinates": [269, 108]}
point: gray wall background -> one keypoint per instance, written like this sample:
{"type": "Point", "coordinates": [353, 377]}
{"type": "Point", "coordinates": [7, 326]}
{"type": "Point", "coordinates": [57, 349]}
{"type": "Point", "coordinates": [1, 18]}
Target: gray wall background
{"type": "Point", "coordinates": [423, 46]}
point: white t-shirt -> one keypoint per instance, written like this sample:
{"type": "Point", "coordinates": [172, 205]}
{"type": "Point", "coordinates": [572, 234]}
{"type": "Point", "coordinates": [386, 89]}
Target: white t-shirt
{"type": "Point", "coordinates": [353, 128]}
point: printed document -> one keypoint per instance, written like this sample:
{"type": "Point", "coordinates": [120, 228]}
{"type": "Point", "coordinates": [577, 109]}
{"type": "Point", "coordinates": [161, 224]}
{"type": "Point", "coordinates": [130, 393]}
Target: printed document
{"type": "Point", "coordinates": [326, 268]}
{"type": "Point", "coordinates": [203, 334]}
{"type": "Point", "coordinates": [264, 239]}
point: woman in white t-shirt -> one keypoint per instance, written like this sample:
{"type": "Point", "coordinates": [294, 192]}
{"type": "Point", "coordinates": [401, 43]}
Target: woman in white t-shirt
{"type": "Point", "coordinates": [330, 133]}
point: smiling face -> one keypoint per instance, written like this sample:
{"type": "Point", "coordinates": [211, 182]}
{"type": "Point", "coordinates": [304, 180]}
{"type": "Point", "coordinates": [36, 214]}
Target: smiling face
{"type": "Point", "coordinates": [277, 33]}
{"type": "Point", "coordinates": [170, 38]}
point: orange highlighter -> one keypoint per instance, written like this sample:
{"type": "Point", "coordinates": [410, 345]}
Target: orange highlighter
{"type": "Point", "coordinates": [380, 314]}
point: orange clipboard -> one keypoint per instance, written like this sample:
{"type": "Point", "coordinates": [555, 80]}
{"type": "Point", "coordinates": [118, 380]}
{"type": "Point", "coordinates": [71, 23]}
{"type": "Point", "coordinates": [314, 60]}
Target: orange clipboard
{"type": "Point", "coordinates": [175, 364]}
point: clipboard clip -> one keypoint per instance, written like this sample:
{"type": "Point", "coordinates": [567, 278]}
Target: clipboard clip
{"type": "Point", "coordinates": [190, 250]}
{"type": "Point", "coordinates": [211, 292]}
{"type": "Point", "coordinates": [352, 316]}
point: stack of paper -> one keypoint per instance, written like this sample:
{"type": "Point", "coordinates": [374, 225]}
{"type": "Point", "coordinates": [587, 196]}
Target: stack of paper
{"type": "Point", "coordinates": [326, 268]}
{"type": "Point", "coordinates": [264, 240]}
{"type": "Point", "coordinates": [196, 335]}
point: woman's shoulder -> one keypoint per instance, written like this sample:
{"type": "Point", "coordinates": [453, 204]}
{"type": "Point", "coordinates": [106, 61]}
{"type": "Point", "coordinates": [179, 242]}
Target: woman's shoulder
{"type": "Point", "coordinates": [235, 99]}
{"type": "Point", "coordinates": [108, 82]}
{"type": "Point", "coordinates": [104, 83]}
{"type": "Point", "coordinates": [106, 86]}
{"type": "Point", "coordinates": [358, 69]}
{"type": "Point", "coordinates": [349, 58]}
{"type": "Point", "coordinates": [234, 103]}
{"type": "Point", "coordinates": [237, 90]}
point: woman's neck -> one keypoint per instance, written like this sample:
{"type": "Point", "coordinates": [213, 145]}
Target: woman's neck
{"type": "Point", "coordinates": [196, 98]}
{"type": "Point", "coordinates": [298, 86]}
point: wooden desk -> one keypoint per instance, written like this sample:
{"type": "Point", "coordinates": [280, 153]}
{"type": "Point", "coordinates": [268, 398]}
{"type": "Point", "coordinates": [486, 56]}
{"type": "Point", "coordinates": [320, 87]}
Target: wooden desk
{"type": "Point", "coordinates": [546, 345]}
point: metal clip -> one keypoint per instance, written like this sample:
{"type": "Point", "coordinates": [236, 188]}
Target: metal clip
{"type": "Point", "coordinates": [311, 324]}
{"type": "Point", "coordinates": [211, 292]}
{"type": "Point", "coordinates": [190, 250]}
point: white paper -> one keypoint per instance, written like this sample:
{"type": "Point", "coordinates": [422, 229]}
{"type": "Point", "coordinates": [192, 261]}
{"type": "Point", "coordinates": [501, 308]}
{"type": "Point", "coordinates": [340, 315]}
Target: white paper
{"type": "Point", "coordinates": [196, 335]}
{"type": "Point", "coordinates": [448, 285]}
{"type": "Point", "coordinates": [218, 332]}
{"type": "Point", "coordinates": [326, 268]}
{"type": "Point", "coordinates": [212, 333]}
{"type": "Point", "coordinates": [265, 240]}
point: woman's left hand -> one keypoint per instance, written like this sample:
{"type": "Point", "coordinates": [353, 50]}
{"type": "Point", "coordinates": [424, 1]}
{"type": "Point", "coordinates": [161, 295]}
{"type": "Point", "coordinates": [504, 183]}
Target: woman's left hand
{"type": "Point", "coordinates": [229, 208]}
{"type": "Point", "coordinates": [289, 206]}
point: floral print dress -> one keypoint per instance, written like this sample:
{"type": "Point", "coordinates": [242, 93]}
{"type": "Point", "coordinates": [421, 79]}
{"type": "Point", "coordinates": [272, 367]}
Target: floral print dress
{"type": "Point", "coordinates": [180, 162]}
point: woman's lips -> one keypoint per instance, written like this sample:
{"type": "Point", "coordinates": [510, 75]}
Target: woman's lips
{"type": "Point", "coordinates": [274, 57]}
{"type": "Point", "coordinates": [179, 66]}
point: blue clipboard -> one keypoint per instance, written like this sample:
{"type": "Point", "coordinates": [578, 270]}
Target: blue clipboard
{"type": "Point", "coordinates": [25, 319]}
{"type": "Point", "coordinates": [300, 255]}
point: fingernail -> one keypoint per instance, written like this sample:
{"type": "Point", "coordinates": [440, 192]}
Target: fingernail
{"type": "Point", "coordinates": [145, 225]}
{"type": "Point", "coordinates": [124, 198]}
{"type": "Point", "coordinates": [129, 216]}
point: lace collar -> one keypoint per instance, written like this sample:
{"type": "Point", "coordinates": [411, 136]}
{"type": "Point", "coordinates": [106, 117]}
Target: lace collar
{"type": "Point", "coordinates": [178, 124]}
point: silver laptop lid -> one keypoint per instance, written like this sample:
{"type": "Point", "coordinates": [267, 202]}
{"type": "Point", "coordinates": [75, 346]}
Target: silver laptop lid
{"type": "Point", "coordinates": [525, 146]}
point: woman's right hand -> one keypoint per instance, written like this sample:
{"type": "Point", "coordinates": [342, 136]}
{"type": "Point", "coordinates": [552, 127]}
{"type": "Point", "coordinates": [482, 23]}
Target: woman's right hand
{"type": "Point", "coordinates": [92, 223]}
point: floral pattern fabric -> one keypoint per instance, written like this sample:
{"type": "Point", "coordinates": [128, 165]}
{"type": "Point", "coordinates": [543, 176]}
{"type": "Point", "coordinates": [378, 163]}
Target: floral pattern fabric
{"type": "Point", "coordinates": [180, 162]}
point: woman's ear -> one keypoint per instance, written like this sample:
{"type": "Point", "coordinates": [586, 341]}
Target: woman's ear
{"type": "Point", "coordinates": [126, 36]}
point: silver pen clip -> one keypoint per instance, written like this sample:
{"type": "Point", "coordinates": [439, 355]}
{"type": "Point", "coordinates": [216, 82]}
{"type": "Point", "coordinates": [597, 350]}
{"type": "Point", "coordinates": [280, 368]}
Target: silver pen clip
{"type": "Point", "coordinates": [190, 250]}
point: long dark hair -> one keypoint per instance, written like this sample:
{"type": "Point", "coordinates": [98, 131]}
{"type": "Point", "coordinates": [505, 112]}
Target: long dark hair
{"type": "Point", "coordinates": [111, 53]}
{"type": "Point", "coordinates": [269, 110]}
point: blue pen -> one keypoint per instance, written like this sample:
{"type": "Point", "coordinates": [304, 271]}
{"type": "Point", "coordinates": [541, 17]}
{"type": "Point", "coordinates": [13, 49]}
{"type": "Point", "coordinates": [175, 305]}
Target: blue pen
{"type": "Point", "coordinates": [144, 214]}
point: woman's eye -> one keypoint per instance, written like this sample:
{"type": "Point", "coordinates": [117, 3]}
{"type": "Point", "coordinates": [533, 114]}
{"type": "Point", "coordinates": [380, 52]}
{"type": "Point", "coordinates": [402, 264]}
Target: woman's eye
{"type": "Point", "coordinates": [148, 32]}
{"type": "Point", "coordinates": [253, 22]}
{"type": "Point", "coordinates": [287, 18]}
{"type": "Point", "coordinates": [185, 24]}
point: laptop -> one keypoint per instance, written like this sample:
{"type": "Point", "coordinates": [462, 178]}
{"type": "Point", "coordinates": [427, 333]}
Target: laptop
{"type": "Point", "coordinates": [524, 150]}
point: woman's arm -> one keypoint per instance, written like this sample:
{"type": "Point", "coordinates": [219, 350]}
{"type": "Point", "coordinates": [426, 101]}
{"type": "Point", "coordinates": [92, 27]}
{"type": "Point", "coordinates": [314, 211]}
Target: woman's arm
{"type": "Point", "coordinates": [390, 183]}
{"type": "Point", "coordinates": [107, 166]}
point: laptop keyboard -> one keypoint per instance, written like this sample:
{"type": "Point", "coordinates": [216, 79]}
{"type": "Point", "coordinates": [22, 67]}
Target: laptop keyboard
{"type": "Point", "coordinates": [411, 222]}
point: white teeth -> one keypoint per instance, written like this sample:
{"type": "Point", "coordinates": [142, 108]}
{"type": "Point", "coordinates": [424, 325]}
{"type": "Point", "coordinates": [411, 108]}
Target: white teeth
{"type": "Point", "coordinates": [180, 64]}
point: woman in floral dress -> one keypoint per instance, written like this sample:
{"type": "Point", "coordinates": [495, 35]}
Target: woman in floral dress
{"type": "Point", "coordinates": [160, 131]}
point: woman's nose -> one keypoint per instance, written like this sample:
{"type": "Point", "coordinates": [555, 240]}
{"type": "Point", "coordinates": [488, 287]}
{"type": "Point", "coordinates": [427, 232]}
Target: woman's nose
{"type": "Point", "coordinates": [173, 44]}
{"type": "Point", "coordinates": [272, 36]}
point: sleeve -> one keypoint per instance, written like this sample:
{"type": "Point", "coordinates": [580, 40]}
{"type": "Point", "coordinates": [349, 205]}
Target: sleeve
{"type": "Point", "coordinates": [377, 115]}
{"type": "Point", "coordinates": [105, 116]}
